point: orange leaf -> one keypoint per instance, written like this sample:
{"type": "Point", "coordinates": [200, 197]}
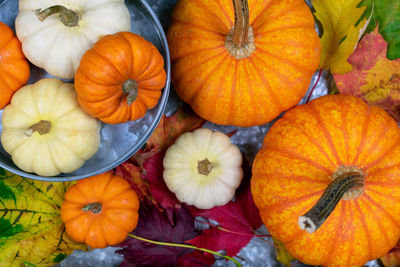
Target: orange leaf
{"type": "Point", "coordinates": [170, 128]}
{"type": "Point", "coordinates": [374, 78]}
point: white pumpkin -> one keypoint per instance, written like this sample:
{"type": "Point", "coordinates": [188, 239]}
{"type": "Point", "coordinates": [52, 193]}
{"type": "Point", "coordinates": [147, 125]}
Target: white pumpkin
{"type": "Point", "coordinates": [203, 168]}
{"type": "Point", "coordinates": [46, 131]}
{"type": "Point", "coordinates": [57, 42]}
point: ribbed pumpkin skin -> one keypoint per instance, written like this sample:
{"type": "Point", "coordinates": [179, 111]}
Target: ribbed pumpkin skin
{"type": "Point", "coordinates": [14, 68]}
{"type": "Point", "coordinates": [254, 90]}
{"type": "Point", "coordinates": [300, 153]}
{"type": "Point", "coordinates": [118, 217]}
{"type": "Point", "coordinates": [105, 67]}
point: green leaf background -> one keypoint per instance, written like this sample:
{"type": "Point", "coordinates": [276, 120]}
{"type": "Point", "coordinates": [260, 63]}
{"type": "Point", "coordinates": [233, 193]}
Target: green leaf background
{"type": "Point", "coordinates": [31, 230]}
{"type": "Point", "coordinates": [386, 15]}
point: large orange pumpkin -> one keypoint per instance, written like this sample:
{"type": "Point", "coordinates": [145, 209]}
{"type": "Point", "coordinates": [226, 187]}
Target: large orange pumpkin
{"type": "Point", "coordinates": [242, 63]}
{"type": "Point", "coordinates": [14, 68]}
{"type": "Point", "coordinates": [327, 181]}
{"type": "Point", "coordinates": [120, 78]}
{"type": "Point", "coordinates": [100, 210]}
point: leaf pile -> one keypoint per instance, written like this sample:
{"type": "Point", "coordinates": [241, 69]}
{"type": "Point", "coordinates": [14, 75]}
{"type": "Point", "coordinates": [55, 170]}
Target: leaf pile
{"type": "Point", "coordinates": [31, 229]}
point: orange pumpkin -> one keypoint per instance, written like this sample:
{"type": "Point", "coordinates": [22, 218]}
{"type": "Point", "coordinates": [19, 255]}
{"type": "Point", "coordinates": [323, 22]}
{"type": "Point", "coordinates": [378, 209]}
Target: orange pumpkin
{"type": "Point", "coordinates": [14, 68]}
{"type": "Point", "coordinates": [100, 210]}
{"type": "Point", "coordinates": [120, 78]}
{"type": "Point", "coordinates": [327, 181]}
{"type": "Point", "coordinates": [243, 63]}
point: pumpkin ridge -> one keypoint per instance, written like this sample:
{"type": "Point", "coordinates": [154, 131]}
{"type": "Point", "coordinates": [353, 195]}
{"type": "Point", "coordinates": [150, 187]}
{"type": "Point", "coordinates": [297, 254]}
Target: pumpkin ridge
{"type": "Point", "coordinates": [301, 178]}
{"type": "Point", "coordinates": [205, 7]}
{"type": "Point", "coordinates": [368, 201]}
{"type": "Point", "coordinates": [111, 64]}
{"type": "Point", "coordinates": [229, 20]}
{"type": "Point", "coordinates": [314, 113]}
{"type": "Point", "coordinates": [233, 91]}
{"type": "Point", "coordinates": [250, 89]}
{"type": "Point", "coordinates": [336, 238]}
{"type": "Point", "coordinates": [287, 27]}
{"type": "Point", "coordinates": [253, 21]}
{"type": "Point", "coordinates": [204, 29]}
{"type": "Point", "coordinates": [4, 42]}
{"type": "Point", "coordinates": [363, 141]}
{"type": "Point", "coordinates": [388, 151]}
{"type": "Point", "coordinates": [343, 128]}
{"type": "Point", "coordinates": [295, 155]}
{"type": "Point", "coordinates": [285, 12]}
{"type": "Point", "coordinates": [380, 183]}
{"type": "Point", "coordinates": [312, 140]}
{"type": "Point", "coordinates": [278, 43]}
{"type": "Point", "coordinates": [365, 228]}
{"type": "Point", "coordinates": [192, 53]}
{"type": "Point", "coordinates": [271, 93]}
{"type": "Point", "coordinates": [284, 60]}
{"type": "Point", "coordinates": [211, 72]}
{"type": "Point", "coordinates": [379, 170]}
{"type": "Point", "coordinates": [296, 200]}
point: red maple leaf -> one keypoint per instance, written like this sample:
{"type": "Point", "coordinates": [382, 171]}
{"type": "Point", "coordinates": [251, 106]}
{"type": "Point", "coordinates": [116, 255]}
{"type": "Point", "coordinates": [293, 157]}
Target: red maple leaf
{"type": "Point", "coordinates": [239, 218]}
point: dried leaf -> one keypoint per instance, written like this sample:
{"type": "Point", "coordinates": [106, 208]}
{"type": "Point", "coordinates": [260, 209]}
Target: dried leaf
{"type": "Point", "coordinates": [172, 127]}
{"type": "Point", "coordinates": [31, 229]}
{"type": "Point", "coordinates": [374, 78]}
{"type": "Point", "coordinates": [282, 255]}
{"type": "Point", "coordinates": [155, 225]}
{"type": "Point", "coordinates": [342, 29]}
{"type": "Point", "coordinates": [386, 16]}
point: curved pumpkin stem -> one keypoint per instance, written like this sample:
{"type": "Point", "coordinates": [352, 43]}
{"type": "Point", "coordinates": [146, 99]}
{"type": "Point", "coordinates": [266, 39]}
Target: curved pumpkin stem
{"type": "Point", "coordinates": [204, 167]}
{"type": "Point", "coordinates": [42, 127]}
{"type": "Point", "coordinates": [68, 17]}
{"type": "Point", "coordinates": [130, 88]}
{"type": "Point", "coordinates": [94, 207]}
{"type": "Point", "coordinates": [345, 183]}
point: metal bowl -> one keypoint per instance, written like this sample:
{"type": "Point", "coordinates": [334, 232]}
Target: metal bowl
{"type": "Point", "coordinates": [118, 141]}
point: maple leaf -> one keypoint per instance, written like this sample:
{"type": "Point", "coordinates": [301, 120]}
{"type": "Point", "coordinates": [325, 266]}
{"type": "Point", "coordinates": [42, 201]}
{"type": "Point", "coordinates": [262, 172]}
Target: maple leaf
{"type": "Point", "coordinates": [239, 218]}
{"type": "Point", "coordinates": [172, 127]}
{"type": "Point", "coordinates": [155, 225]}
{"type": "Point", "coordinates": [386, 16]}
{"type": "Point", "coordinates": [393, 257]}
{"type": "Point", "coordinates": [342, 29]}
{"type": "Point", "coordinates": [31, 230]}
{"type": "Point", "coordinates": [374, 78]}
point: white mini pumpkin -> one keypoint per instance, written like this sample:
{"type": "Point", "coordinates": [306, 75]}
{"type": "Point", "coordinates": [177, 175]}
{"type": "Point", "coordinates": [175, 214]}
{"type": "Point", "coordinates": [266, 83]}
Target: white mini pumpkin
{"type": "Point", "coordinates": [203, 168]}
{"type": "Point", "coordinates": [56, 43]}
{"type": "Point", "coordinates": [46, 131]}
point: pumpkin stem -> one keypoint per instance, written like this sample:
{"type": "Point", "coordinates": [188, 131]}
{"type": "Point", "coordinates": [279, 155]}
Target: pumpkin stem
{"type": "Point", "coordinates": [347, 185]}
{"type": "Point", "coordinates": [68, 17]}
{"type": "Point", "coordinates": [130, 87]}
{"type": "Point", "coordinates": [94, 207]}
{"type": "Point", "coordinates": [204, 167]}
{"type": "Point", "coordinates": [42, 127]}
{"type": "Point", "coordinates": [240, 40]}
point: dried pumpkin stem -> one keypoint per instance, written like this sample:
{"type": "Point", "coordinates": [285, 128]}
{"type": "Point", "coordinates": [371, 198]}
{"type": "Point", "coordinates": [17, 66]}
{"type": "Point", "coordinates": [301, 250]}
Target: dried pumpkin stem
{"type": "Point", "coordinates": [341, 185]}
{"type": "Point", "coordinates": [185, 246]}
{"type": "Point", "coordinates": [42, 127]}
{"type": "Point", "coordinates": [68, 17]}
{"type": "Point", "coordinates": [94, 207]}
{"type": "Point", "coordinates": [240, 40]}
{"type": "Point", "coordinates": [130, 87]}
{"type": "Point", "coordinates": [204, 167]}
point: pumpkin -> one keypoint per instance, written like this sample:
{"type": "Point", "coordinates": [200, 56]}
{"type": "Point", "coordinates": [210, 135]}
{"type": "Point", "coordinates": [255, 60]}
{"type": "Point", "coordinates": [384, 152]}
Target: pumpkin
{"type": "Point", "coordinates": [120, 78]}
{"type": "Point", "coordinates": [56, 33]}
{"type": "Point", "coordinates": [46, 132]}
{"type": "Point", "coordinates": [203, 168]}
{"type": "Point", "coordinates": [100, 210]}
{"type": "Point", "coordinates": [327, 181]}
{"type": "Point", "coordinates": [242, 63]}
{"type": "Point", "coordinates": [14, 69]}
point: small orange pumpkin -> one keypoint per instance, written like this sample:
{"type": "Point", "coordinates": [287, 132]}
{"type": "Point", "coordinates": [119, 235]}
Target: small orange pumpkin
{"type": "Point", "coordinates": [100, 210]}
{"type": "Point", "coordinates": [14, 68]}
{"type": "Point", "coordinates": [120, 78]}
{"type": "Point", "coordinates": [242, 63]}
{"type": "Point", "coordinates": [327, 181]}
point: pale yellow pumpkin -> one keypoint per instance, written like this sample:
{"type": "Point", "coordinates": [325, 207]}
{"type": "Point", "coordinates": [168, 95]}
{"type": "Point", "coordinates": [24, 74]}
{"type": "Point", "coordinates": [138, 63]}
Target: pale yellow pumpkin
{"type": "Point", "coordinates": [45, 130]}
{"type": "Point", "coordinates": [203, 168]}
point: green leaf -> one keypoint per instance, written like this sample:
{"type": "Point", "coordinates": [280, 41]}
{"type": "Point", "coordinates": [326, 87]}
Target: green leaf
{"type": "Point", "coordinates": [387, 16]}
{"type": "Point", "coordinates": [31, 229]}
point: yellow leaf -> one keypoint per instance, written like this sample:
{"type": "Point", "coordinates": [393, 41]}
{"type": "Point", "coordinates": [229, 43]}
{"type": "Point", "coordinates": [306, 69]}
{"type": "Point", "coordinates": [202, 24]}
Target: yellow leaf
{"type": "Point", "coordinates": [340, 32]}
{"type": "Point", "coordinates": [282, 255]}
{"type": "Point", "coordinates": [31, 230]}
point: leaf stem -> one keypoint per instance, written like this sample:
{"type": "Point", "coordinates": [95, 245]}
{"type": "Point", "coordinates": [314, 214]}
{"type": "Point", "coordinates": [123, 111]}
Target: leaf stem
{"type": "Point", "coordinates": [185, 246]}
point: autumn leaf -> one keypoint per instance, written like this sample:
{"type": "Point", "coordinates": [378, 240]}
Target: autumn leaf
{"type": "Point", "coordinates": [392, 259]}
{"type": "Point", "coordinates": [155, 225]}
{"type": "Point", "coordinates": [238, 219]}
{"type": "Point", "coordinates": [386, 16]}
{"type": "Point", "coordinates": [282, 255]}
{"type": "Point", "coordinates": [342, 29]}
{"type": "Point", "coordinates": [374, 78]}
{"type": "Point", "coordinates": [31, 229]}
